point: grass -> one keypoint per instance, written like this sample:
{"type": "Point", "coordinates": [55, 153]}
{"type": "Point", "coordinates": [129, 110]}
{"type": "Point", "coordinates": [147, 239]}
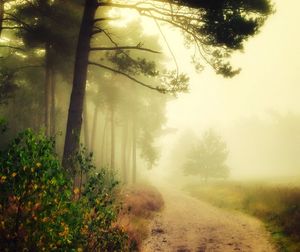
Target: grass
{"type": "Point", "coordinates": [278, 206]}
{"type": "Point", "coordinates": [140, 203]}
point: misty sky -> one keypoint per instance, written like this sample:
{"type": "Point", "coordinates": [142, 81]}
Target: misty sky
{"type": "Point", "coordinates": [269, 81]}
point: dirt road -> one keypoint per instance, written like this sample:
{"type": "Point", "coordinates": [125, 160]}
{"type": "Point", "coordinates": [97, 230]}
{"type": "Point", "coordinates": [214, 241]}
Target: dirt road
{"type": "Point", "coordinates": [187, 224]}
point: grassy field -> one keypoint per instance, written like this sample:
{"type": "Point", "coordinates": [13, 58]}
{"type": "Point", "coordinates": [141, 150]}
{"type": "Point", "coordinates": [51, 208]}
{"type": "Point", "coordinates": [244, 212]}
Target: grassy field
{"type": "Point", "coordinates": [277, 205]}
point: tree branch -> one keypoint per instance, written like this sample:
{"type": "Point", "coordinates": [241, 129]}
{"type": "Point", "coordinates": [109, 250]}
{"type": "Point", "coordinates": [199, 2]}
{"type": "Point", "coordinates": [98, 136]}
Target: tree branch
{"type": "Point", "coordinates": [124, 74]}
{"type": "Point", "coordinates": [137, 47]}
{"type": "Point", "coordinates": [104, 19]}
{"type": "Point", "coordinates": [13, 47]}
{"type": "Point", "coordinates": [18, 69]}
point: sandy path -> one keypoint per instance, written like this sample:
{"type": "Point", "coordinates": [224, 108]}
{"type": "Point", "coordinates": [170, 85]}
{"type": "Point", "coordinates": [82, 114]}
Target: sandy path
{"type": "Point", "coordinates": [188, 224]}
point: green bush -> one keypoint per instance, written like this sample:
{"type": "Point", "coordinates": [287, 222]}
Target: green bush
{"type": "Point", "coordinates": [40, 210]}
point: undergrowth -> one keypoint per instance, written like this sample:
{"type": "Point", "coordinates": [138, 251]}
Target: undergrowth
{"type": "Point", "coordinates": [140, 203]}
{"type": "Point", "coordinates": [41, 210]}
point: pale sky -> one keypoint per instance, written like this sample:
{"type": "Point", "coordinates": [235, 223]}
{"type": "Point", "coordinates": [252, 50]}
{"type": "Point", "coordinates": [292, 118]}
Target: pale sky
{"type": "Point", "coordinates": [269, 78]}
{"type": "Point", "coordinates": [269, 81]}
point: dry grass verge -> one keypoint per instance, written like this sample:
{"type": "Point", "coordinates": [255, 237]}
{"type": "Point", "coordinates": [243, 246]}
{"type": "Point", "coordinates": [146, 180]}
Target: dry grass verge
{"type": "Point", "coordinates": [139, 204]}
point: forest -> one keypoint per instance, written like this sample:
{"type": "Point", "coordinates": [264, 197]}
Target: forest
{"type": "Point", "coordinates": [89, 157]}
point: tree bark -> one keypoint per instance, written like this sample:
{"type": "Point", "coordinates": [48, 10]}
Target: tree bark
{"type": "Point", "coordinates": [124, 153]}
{"type": "Point", "coordinates": [47, 93]}
{"type": "Point", "coordinates": [53, 105]}
{"type": "Point", "coordinates": [74, 121]}
{"type": "Point", "coordinates": [94, 128]}
{"type": "Point", "coordinates": [1, 15]}
{"type": "Point", "coordinates": [85, 125]}
{"type": "Point", "coordinates": [103, 144]}
{"type": "Point", "coordinates": [134, 151]}
{"type": "Point", "coordinates": [112, 143]}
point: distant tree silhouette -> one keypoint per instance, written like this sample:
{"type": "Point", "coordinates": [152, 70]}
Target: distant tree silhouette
{"type": "Point", "coordinates": [208, 157]}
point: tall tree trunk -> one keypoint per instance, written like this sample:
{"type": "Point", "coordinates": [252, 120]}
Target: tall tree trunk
{"type": "Point", "coordinates": [53, 104]}
{"type": "Point", "coordinates": [48, 84]}
{"type": "Point", "coordinates": [85, 125]}
{"type": "Point", "coordinates": [124, 153]}
{"type": "Point", "coordinates": [79, 82]}
{"type": "Point", "coordinates": [103, 144]}
{"type": "Point", "coordinates": [94, 128]}
{"type": "Point", "coordinates": [1, 15]}
{"type": "Point", "coordinates": [112, 142]}
{"type": "Point", "coordinates": [134, 151]}
{"type": "Point", "coordinates": [2, 2]}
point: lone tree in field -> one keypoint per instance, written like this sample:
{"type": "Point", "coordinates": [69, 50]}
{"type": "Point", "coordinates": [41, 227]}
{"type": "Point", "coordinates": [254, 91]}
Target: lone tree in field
{"type": "Point", "coordinates": [208, 157]}
{"type": "Point", "coordinates": [216, 27]}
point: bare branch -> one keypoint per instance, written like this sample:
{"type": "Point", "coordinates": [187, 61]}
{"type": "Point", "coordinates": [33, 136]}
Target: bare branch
{"type": "Point", "coordinates": [12, 27]}
{"type": "Point", "coordinates": [125, 74]}
{"type": "Point", "coordinates": [26, 67]}
{"type": "Point", "coordinates": [167, 43]}
{"type": "Point", "coordinates": [13, 47]}
{"type": "Point", "coordinates": [110, 38]}
{"type": "Point", "coordinates": [104, 19]}
{"type": "Point", "coordinates": [137, 47]}
{"type": "Point", "coordinates": [17, 20]}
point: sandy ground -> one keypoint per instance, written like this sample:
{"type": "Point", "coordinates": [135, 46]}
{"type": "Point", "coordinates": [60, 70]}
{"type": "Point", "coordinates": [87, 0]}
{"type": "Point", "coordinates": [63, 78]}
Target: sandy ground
{"type": "Point", "coordinates": [188, 224]}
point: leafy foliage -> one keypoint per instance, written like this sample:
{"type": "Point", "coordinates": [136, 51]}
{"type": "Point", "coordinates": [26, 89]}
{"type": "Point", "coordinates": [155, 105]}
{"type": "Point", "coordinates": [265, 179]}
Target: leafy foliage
{"type": "Point", "coordinates": [128, 64]}
{"type": "Point", "coordinates": [229, 22]}
{"type": "Point", "coordinates": [40, 211]}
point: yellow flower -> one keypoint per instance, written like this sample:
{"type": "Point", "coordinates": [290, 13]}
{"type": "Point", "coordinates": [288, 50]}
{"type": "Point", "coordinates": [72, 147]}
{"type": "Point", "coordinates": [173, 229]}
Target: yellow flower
{"type": "Point", "coordinates": [38, 165]}
{"type": "Point", "coordinates": [79, 250]}
{"type": "Point", "coordinates": [2, 179]}
{"type": "Point", "coordinates": [14, 174]}
{"type": "Point", "coordinates": [76, 190]}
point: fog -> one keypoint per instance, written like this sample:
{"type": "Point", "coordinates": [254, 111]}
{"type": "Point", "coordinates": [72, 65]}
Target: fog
{"type": "Point", "coordinates": [256, 112]}
{"type": "Point", "coordinates": [130, 125]}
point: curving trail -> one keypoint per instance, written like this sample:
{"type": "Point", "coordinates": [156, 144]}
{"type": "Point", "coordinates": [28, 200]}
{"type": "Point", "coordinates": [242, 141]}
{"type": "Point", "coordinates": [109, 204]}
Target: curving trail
{"type": "Point", "coordinates": [188, 224]}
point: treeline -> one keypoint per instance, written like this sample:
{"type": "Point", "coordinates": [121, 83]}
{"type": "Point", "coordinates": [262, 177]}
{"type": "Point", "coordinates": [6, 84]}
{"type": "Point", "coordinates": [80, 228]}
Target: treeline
{"type": "Point", "coordinates": [45, 45]}
{"type": "Point", "coordinates": [120, 120]}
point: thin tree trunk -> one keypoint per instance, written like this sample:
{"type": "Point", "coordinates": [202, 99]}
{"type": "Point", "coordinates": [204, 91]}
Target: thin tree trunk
{"type": "Point", "coordinates": [112, 142]}
{"type": "Point", "coordinates": [124, 152]}
{"type": "Point", "coordinates": [53, 105]}
{"type": "Point", "coordinates": [103, 144]}
{"type": "Point", "coordinates": [134, 151]}
{"type": "Point", "coordinates": [47, 93]}
{"type": "Point", "coordinates": [94, 128]}
{"type": "Point", "coordinates": [1, 15]}
{"type": "Point", "coordinates": [74, 121]}
{"type": "Point", "coordinates": [85, 125]}
{"type": "Point", "coordinates": [129, 155]}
